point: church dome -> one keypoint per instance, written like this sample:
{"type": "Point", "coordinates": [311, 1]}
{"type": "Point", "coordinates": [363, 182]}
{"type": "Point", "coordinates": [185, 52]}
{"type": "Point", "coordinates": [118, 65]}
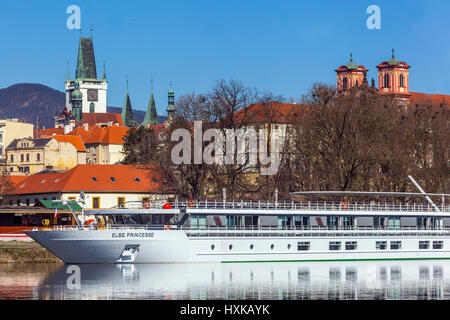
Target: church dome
{"type": "Point", "coordinates": [77, 95]}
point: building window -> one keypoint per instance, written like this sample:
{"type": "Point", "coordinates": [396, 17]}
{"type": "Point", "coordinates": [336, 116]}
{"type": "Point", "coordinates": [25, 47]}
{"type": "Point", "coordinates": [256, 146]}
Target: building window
{"type": "Point", "coordinates": [18, 202]}
{"type": "Point", "coordinates": [28, 157]}
{"type": "Point", "coordinates": [144, 200]}
{"type": "Point", "coordinates": [386, 80]}
{"type": "Point", "coordinates": [402, 81]}
{"type": "Point", "coordinates": [396, 245]}
{"type": "Point", "coordinates": [21, 158]}
{"type": "Point", "coordinates": [424, 244]}
{"type": "Point", "coordinates": [38, 157]}
{"type": "Point", "coordinates": [351, 245]}
{"type": "Point", "coordinates": [344, 83]}
{"type": "Point", "coordinates": [27, 202]}
{"type": "Point", "coordinates": [335, 245]}
{"type": "Point", "coordinates": [120, 202]}
{"type": "Point", "coordinates": [438, 244]}
{"type": "Point", "coordinates": [96, 202]}
{"type": "Point", "coordinates": [381, 245]}
{"type": "Point", "coordinates": [92, 108]}
{"type": "Point", "coordinates": [1, 137]}
{"type": "Point", "coordinates": [12, 158]}
{"type": "Point", "coordinates": [11, 169]}
{"type": "Point", "coordinates": [303, 246]}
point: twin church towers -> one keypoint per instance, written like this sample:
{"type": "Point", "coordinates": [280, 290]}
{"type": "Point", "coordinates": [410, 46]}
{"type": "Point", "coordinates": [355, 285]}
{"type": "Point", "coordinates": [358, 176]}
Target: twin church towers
{"type": "Point", "coordinates": [87, 93]}
{"type": "Point", "coordinates": [393, 77]}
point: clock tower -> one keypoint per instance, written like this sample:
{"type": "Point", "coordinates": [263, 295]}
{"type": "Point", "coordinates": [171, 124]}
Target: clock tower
{"type": "Point", "coordinates": [92, 89]}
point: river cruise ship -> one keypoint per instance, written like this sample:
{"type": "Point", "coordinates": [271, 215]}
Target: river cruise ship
{"type": "Point", "coordinates": [381, 226]}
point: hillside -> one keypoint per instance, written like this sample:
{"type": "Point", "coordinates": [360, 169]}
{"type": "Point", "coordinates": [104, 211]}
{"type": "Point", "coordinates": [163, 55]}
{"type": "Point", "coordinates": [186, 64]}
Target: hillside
{"type": "Point", "coordinates": [33, 102]}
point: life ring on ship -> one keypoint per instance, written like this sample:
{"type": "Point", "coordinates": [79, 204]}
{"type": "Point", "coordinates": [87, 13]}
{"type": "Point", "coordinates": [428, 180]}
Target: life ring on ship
{"type": "Point", "coordinates": [88, 222]}
{"type": "Point", "coordinates": [167, 227]}
{"type": "Point", "coordinates": [147, 205]}
{"type": "Point", "coordinates": [344, 205]}
{"type": "Point", "coordinates": [191, 202]}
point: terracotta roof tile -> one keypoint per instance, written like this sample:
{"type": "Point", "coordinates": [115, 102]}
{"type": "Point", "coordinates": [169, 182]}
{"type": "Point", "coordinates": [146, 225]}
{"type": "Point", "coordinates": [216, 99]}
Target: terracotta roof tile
{"type": "Point", "coordinates": [273, 111]}
{"type": "Point", "coordinates": [93, 118]}
{"type": "Point", "coordinates": [48, 132]}
{"type": "Point", "coordinates": [74, 140]}
{"type": "Point", "coordinates": [96, 178]}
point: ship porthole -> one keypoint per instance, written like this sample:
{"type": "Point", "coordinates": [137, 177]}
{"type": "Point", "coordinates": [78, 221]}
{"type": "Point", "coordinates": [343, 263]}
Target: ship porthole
{"type": "Point", "coordinates": [212, 247]}
{"type": "Point", "coordinates": [251, 247]}
{"type": "Point", "coordinates": [272, 246]}
{"type": "Point", "coordinates": [289, 246]}
{"type": "Point", "coordinates": [231, 246]}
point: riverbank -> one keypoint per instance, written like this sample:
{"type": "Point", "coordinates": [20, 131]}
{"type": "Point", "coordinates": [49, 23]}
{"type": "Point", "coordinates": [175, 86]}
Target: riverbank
{"type": "Point", "coordinates": [25, 252]}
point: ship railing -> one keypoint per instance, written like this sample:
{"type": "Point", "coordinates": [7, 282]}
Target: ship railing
{"type": "Point", "coordinates": [209, 229]}
{"type": "Point", "coordinates": [285, 205]}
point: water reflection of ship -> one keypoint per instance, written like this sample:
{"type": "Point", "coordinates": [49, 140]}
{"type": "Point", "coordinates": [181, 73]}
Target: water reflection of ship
{"type": "Point", "coordinates": [333, 280]}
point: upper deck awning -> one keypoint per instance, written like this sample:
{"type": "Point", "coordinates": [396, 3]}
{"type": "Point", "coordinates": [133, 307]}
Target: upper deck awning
{"type": "Point", "coordinates": [369, 193]}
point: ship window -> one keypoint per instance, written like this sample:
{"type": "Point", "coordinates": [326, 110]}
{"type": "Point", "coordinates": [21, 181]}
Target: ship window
{"type": "Point", "coordinates": [43, 181]}
{"type": "Point", "coordinates": [438, 244]}
{"type": "Point", "coordinates": [303, 246]}
{"type": "Point", "coordinates": [113, 179]}
{"type": "Point", "coordinates": [272, 246]}
{"type": "Point", "coordinates": [289, 246]}
{"type": "Point", "coordinates": [231, 246]}
{"type": "Point", "coordinates": [381, 245]}
{"type": "Point", "coordinates": [94, 179]}
{"type": "Point", "coordinates": [212, 247]}
{"type": "Point", "coordinates": [137, 179]}
{"type": "Point", "coordinates": [351, 245]}
{"type": "Point", "coordinates": [335, 245]}
{"type": "Point", "coordinates": [396, 245]}
{"type": "Point", "coordinates": [154, 180]}
{"type": "Point", "coordinates": [251, 247]}
{"type": "Point", "coordinates": [424, 244]}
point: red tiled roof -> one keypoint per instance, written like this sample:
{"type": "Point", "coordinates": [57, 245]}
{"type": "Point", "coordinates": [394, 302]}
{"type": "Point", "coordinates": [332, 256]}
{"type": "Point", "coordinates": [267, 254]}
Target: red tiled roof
{"type": "Point", "coordinates": [93, 118]}
{"type": "Point", "coordinates": [47, 133]}
{"type": "Point", "coordinates": [115, 134]}
{"type": "Point", "coordinates": [96, 134]}
{"type": "Point", "coordinates": [96, 178]}
{"type": "Point", "coordinates": [74, 140]}
{"type": "Point", "coordinates": [16, 181]}
{"type": "Point", "coordinates": [270, 112]}
{"type": "Point", "coordinates": [435, 99]}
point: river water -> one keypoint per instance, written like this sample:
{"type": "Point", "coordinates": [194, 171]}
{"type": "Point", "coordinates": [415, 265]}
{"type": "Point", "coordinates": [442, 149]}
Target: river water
{"type": "Point", "coordinates": [386, 280]}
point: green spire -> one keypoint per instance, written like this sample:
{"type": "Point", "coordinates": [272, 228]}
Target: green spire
{"type": "Point", "coordinates": [86, 68]}
{"type": "Point", "coordinates": [351, 64]}
{"type": "Point", "coordinates": [171, 100]}
{"type": "Point", "coordinates": [104, 70]}
{"type": "Point", "coordinates": [393, 61]}
{"type": "Point", "coordinates": [151, 116]}
{"type": "Point", "coordinates": [127, 111]}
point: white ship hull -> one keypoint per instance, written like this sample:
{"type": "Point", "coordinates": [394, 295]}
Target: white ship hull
{"type": "Point", "coordinates": [174, 246]}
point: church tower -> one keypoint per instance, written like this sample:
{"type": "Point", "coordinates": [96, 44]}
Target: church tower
{"type": "Point", "coordinates": [393, 77]}
{"type": "Point", "coordinates": [171, 104]}
{"type": "Point", "coordinates": [93, 90]}
{"type": "Point", "coordinates": [127, 111]}
{"type": "Point", "coordinates": [151, 116]}
{"type": "Point", "coordinates": [350, 75]}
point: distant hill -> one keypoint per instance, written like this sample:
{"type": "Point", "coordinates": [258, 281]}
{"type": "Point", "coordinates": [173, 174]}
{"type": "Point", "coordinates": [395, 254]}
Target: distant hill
{"type": "Point", "coordinates": [34, 102]}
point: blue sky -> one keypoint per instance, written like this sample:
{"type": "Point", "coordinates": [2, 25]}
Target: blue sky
{"type": "Point", "coordinates": [279, 46]}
